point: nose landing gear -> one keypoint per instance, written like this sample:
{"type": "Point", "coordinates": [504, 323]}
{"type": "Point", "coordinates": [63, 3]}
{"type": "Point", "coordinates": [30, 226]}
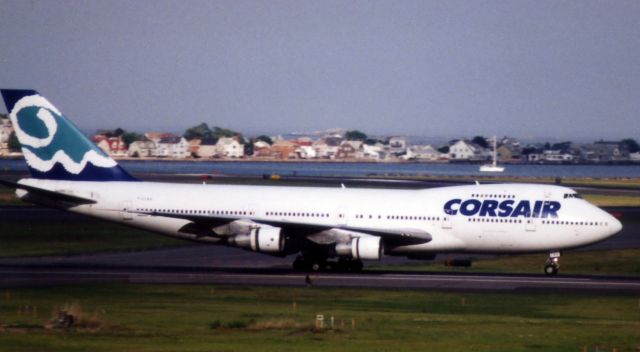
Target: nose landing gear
{"type": "Point", "coordinates": [553, 264]}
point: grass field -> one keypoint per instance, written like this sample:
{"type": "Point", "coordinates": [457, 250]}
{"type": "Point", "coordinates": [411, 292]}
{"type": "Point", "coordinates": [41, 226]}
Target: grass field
{"type": "Point", "coordinates": [203, 318]}
{"type": "Point", "coordinates": [612, 200]}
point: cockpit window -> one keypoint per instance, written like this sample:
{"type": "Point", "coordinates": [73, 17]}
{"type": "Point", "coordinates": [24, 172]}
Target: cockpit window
{"type": "Point", "coordinates": [572, 195]}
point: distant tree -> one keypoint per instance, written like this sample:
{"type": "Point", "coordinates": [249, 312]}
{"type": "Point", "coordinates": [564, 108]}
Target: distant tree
{"type": "Point", "coordinates": [130, 137]}
{"type": "Point", "coordinates": [481, 141]}
{"type": "Point", "coordinates": [200, 131]}
{"type": "Point", "coordinates": [444, 149]}
{"type": "Point", "coordinates": [113, 133]}
{"type": "Point", "coordinates": [3, 116]}
{"type": "Point", "coordinates": [248, 149]}
{"type": "Point", "coordinates": [265, 139]}
{"type": "Point", "coordinates": [355, 135]}
{"type": "Point", "coordinates": [631, 144]}
{"type": "Point", "coordinates": [14, 144]}
{"type": "Point", "coordinates": [528, 150]}
{"type": "Point", "coordinates": [563, 146]}
{"type": "Point", "coordinates": [372, 141]}
{"type": "Point", "coordinates": [219, 132]}
{"type": "Point", "coordinates": [547, 146]}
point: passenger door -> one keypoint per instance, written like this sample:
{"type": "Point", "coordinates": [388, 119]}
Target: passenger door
{"type": "Point", "coordinates": [530, 223]}
{"type": "Point", "coordinates": [341, 216]}
{"type": "Point", "coordinates": [446, 221]}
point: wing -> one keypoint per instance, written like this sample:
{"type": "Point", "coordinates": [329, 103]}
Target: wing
{"type": "Point", "coordinates": [229, 225]}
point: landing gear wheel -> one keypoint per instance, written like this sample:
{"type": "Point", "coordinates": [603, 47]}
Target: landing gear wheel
{"type": "Point", "coordinates": [309, 264]}
{"type": "Point", "coordinates": [317, 265]}
{"type": "Point", "coordinates": [553, 264]}
{"type": "Point", "coordinates": [551, 269]}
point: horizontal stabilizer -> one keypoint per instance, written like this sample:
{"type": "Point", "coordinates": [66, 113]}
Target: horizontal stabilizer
{"type": "Point", "coordinates": [58, 196]}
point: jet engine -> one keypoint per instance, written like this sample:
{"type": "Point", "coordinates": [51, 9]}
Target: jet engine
{"type": "Point", "coordinates": [369, 248]}
{"type": "Point", "coordinates": [261, 238]}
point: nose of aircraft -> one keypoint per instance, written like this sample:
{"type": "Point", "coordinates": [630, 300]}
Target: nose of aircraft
{"type": "Point", "coordinates": [614, 225]}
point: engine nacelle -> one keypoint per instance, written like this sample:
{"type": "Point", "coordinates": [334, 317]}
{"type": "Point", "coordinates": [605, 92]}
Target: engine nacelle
{"type": "Point", "coordinates": [368, 248]}
{"type": "Point", "coordinates": [262, 238]}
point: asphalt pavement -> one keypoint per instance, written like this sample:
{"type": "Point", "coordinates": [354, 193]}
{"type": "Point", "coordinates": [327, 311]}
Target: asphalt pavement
{"type": "Point", "coordinates": [42, 276]}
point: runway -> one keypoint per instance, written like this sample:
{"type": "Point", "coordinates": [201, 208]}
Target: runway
{"type": "Point", "coordinates": [38, 276]}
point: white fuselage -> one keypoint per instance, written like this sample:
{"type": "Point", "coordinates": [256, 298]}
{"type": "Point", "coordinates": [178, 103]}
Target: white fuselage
{"type": "Point", "coordinates": [488, 230]}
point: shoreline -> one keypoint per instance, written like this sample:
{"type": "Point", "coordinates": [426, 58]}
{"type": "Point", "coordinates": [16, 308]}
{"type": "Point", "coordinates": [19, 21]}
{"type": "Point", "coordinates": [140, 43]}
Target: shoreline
{"type": "Point", "coordinates": [354, 161]}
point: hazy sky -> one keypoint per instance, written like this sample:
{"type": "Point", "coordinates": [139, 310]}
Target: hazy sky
{"type": "Point", "coordinates": [568, 69]}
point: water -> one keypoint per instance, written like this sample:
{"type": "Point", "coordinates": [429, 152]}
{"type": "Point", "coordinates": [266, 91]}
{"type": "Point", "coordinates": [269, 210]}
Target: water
{"type": "Point", "coordinates": [357, 169]}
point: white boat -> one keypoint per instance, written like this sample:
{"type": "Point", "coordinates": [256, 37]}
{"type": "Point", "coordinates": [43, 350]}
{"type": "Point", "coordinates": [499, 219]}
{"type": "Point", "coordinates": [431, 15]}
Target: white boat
{"type": "Point", "coordinates": [493, 167]}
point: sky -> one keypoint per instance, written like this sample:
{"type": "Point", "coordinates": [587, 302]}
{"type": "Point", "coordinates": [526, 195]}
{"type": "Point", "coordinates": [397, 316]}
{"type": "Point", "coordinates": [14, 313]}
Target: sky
{"type": "Point", "coordinates": [550, 69]}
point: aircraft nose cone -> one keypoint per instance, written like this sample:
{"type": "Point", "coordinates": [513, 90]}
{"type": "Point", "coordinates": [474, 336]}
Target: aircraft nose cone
{"type": "Point", "coordinates": [613, 225]}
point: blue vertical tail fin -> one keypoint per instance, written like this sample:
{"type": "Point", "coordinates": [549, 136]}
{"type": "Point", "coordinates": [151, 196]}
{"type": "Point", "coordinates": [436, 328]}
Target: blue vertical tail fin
{"type": "Point", "coordinates": [53, 147]}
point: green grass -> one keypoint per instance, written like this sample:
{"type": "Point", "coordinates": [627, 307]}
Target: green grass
{"type": "Point", "coordinates": [612, 201]}
{"type": "Point", "coordinates": [203, 318]}
{"type": "Point", "coordinates": [600, 262]}
{"type": "Point", "coordinates": [83, 235]}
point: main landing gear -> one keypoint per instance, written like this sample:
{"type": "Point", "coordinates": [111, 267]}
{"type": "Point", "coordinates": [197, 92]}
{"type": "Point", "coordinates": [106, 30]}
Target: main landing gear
{"type": "Point", "coordinates": [553, 264]}
{"type": "Point", "coordinates": [303, 263]}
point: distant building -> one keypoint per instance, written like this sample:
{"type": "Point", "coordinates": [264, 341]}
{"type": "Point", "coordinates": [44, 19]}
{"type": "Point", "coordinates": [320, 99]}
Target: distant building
{"type": "Point", "coordinates": [375, 151]}
{"type": "Point", "coordinates": [422, 152]}
{"type": "Point", "coordinates": [306, 152]}
{"type": "Point", "coordinates": [261, 149]}
{"type": "Point", "coordinates": [194, 146]}
{"type": "Point", "coordinates": [114, 146]}
{"type": "Point", "coordinates": [207, 148]}
{"type": "Point", "coordinates": [557, 156]}
{"type": "Point", "coordinates": [141, 149]}
{"type": "Point", "coordinates": [551, 157]}
{"type": "Point", "coordinates": [465, 150]}
{"type": "Point", "coordinates": [229, 147]}
{"type": "Point", "coordinates": [398, 145]}
{"type": "Point", "coordinates": [304, 141]}
{"type": "Point", "coordinates": [610, 151]}
{"type": "Point", "coordinates": [5, 132]}
{"type": "Point", "coordinates": [349, 150]}
{"type": "Point", "coordinates": [283, 149]}
{"type": "Point", "coordinates": [509, 150]}
{"type": "Point", "coordinates": [172, 147]}
{"type": "Point", "coordinates": [509, 153]}
{"type": "Point", "coordinates": [327, 146]}
{"type": "Point", "coordinates": [155, 137]}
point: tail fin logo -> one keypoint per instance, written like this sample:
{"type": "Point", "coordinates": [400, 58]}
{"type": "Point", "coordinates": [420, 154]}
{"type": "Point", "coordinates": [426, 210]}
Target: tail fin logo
{"type": "Point", "coordinates": [47, 138]}
{"type": "Point", "coordinates": [45, 110]}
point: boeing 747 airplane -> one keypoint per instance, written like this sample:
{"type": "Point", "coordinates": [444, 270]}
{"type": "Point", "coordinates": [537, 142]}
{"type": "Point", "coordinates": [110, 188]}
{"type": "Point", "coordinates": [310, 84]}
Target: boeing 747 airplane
{"type": "Point", "coordinates": [326, 227]}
